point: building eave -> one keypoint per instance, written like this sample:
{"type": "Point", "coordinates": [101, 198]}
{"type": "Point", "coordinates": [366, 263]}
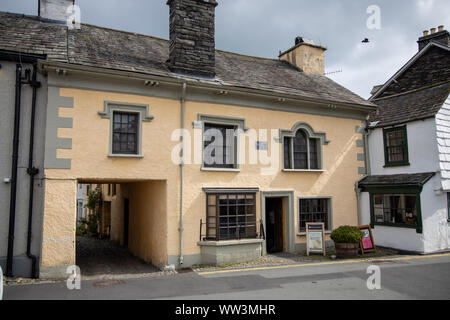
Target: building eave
{"type": "Point", "coordinates": [202, 83]}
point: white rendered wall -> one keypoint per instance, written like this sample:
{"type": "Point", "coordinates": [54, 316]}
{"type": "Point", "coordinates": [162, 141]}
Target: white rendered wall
{"type": "Point", "coordinates": [434, 216]}
{"type": "Point", "coordinates": [422, 148]}
{"type": "Point", "coordinates": [426, 154]}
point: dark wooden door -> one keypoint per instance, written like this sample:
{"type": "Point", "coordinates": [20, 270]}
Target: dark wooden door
{"type": "Point", "coordinates": [126, 221]}
{"type": "Point", "coordinates": [274, 225]}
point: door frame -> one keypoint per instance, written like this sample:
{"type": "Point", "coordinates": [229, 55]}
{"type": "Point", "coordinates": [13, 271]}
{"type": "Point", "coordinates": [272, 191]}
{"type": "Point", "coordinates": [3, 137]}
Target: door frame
{"type": "Point", "coordinates": [289, 232]}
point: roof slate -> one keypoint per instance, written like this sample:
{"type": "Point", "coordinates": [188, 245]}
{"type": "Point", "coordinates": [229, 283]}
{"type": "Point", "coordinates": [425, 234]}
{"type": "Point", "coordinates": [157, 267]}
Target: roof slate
{"type": "Point", "coordinates": [125, 51]}
{"type": "Point", "coordinates": [415, 105]}
{"type": "Point", "coordinates": [415, 179]}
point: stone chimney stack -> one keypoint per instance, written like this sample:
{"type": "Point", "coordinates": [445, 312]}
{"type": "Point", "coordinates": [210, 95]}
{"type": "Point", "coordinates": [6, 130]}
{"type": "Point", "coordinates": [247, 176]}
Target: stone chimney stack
{"type": "Point", "coordinates": [192, 37]}
{"type": "Point", "coordinates": [441, 36]}
{"type": "Point", "coordinates": [306, 55]}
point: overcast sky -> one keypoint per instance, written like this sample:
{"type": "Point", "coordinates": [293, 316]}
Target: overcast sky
{"type": "Point", "coordinates": [264, 27]}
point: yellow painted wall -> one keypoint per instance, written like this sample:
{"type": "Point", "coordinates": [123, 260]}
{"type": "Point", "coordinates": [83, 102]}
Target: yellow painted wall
{"type": "Point", "coordinates": [90, 161]}
{"type": "Point", "coordinates": [58, 236]}
{"type": "Point", "coordinates": [147, 227]}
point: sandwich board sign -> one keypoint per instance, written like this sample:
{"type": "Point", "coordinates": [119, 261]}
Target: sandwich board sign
{"type": "Point", "coordinates": [315, 238]}
{"type": "Point", "coordinates": [367, 243]}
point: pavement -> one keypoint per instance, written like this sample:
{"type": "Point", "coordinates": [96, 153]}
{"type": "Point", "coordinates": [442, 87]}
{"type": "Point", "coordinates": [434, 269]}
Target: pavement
{"type": "Point", "coordinates": [407, 277]}
{"type": "Point", "coordinates": [102, 259]}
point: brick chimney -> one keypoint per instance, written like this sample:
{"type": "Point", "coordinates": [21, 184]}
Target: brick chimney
{"type": "Point", "coordinates": [54, 9]}
{"type": "Point", "coordinates": [441, 36]}
{"type": "Point", "coordinates": [192, 41]}
{"type": "Point", "coordinates": [306, 55]}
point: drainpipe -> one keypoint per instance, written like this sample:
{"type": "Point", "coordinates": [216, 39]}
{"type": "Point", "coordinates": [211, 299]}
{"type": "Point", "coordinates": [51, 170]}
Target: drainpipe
{"type": "Point", "coordinates": [32, 172]}
{"type": "Point", "coordinates": [183, 99]}
{"type": "Point", "coordinates": [15, 156]}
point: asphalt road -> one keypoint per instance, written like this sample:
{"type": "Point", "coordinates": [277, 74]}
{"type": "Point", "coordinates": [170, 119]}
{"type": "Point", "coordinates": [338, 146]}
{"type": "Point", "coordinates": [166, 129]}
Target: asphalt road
{"type": "Point", "coordinates": [405, 278]}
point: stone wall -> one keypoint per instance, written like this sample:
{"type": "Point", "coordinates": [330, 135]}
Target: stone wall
{"type": "Point", "coordinates": [192, 44]}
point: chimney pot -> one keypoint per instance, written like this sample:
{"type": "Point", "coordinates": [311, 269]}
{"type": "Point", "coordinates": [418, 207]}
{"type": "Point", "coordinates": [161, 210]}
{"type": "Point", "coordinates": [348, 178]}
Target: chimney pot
{"type": "Point", "coordinates": [442, 37]}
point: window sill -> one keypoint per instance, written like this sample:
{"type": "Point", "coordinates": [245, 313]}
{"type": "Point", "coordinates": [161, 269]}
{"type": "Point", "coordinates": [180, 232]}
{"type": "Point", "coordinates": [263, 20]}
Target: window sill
{"type": "Point", "coordinates": [304, 233]}
{"type": "Point", "coordinates": [225, 243]}
{"type": "Point", "coordinates": [138, 156]}
{"type": "Point", "coordinates": [304, 170]}
{"type": "Point", "coordinates": [397, 225]}
{"type": "Point", "coordinates": [220, 169]}
{"type": "Point", "coordinates": [406, 164]}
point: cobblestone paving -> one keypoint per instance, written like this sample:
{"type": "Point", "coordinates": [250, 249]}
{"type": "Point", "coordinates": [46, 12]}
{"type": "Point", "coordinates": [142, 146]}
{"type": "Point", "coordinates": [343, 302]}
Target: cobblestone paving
{"type": "Point", "coordinates": [104, 260]}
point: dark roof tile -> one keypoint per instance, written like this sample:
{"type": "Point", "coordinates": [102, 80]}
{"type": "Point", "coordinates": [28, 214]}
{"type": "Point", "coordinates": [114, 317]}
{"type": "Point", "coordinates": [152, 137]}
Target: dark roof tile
{"type": "Point", "coordinates": [415, 179]}
{"type": "Point", "coordinates": [126, 51]}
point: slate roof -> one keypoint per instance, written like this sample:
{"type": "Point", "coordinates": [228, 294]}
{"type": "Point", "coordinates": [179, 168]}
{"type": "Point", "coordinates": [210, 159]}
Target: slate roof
{"type": "Point", "coordinates": [415, 179]}
{"type": "Point", "coordinates": [415, 105]}
{"type": "Point", "coordinates": [113, 49]}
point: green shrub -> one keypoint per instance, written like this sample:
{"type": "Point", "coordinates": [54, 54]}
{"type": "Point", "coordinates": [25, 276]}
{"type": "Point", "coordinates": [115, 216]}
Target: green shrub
{"type": "Point", "coordinates": [346, 234]}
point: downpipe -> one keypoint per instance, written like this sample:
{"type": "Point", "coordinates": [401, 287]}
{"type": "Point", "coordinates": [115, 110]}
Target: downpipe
{"type": "Point", "coordinates": [32, 172]}
{"type": "Point", "coordinates": [15, 156]}
{"type": "Point", "coordinates": [183, 101]}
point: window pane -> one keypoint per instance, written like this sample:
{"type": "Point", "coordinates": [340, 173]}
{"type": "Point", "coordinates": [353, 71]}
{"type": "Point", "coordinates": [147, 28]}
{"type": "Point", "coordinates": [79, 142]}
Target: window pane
{"type": "Point", "coordinates": [300, 150]}
{"type": "Point", "coordinates": [287, 153]}
{"type": "Point", "coordinates": [313, 210]}
{"type": "Point", "coordinates": [236, 220]}
{"type": "Point", "coordinates": [223, 143]}
{"type": "Point", "coordinates": [125, 133]}
{"type": "Point", "coordinates": [313, 154]}
{"type": "Point", "coordinates": [395, 209]}
{"type": "Point", "coordinates": [396, 145]}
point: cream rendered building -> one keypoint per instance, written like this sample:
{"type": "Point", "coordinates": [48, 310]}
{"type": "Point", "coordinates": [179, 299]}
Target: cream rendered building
{"type": "Point", "coordinates": [116, 102]}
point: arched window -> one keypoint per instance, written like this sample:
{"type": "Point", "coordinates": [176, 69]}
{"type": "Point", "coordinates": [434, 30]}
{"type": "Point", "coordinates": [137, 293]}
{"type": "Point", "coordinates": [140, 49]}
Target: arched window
{"type": "Point", "coordinates": [302, 148]}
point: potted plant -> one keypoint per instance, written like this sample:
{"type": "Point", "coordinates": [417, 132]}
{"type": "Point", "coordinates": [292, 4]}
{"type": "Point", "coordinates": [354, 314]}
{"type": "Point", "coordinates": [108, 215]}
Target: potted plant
{"type": "Point", "coordinates": [346, 240]}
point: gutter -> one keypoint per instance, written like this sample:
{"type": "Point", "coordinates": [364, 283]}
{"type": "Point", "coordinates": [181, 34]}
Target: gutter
{"type": "Point", "coordinates": [183, 101]}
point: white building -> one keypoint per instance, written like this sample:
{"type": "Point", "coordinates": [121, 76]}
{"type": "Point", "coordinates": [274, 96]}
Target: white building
{"type": "Point", "coordinates": [405, 197]}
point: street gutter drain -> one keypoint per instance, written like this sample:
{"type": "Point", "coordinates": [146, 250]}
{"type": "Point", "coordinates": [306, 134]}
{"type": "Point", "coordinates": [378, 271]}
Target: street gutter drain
{"type": "Point", "coordinates": [382, 261]}
{"type": "Point", "coordinates": [108, 283]}
{"type": "Point", "coordinates": [185, 270]}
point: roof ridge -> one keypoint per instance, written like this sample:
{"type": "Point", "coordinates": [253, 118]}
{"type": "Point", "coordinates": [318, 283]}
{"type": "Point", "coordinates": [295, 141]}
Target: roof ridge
{"type": "Point", "coordinates": [248, 55]}
{"type": "Point", "coordinates": [123, 31]}
{"type": "Point", "coordinates": [437, 84]}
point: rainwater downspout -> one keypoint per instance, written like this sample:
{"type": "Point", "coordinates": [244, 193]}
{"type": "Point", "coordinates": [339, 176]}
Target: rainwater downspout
{"type": "Point", "coordinates": [15, 156]}
{"type": "Point", "coordinates": [183, 99]}
{"type": "Point", "coordinates": [32, 171]}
